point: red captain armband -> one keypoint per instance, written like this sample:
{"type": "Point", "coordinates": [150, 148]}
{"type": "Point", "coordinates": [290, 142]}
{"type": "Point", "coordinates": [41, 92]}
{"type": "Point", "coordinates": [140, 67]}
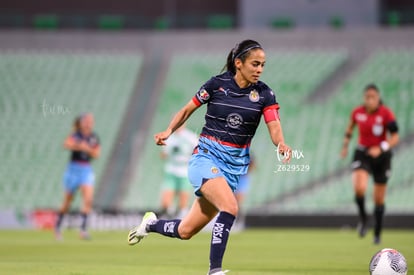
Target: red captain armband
{"type": "Point", "coordinates": [271, 113]}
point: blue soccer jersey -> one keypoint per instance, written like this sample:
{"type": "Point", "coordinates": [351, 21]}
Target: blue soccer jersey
{"type": "Point", "coordinates": [232, 117]}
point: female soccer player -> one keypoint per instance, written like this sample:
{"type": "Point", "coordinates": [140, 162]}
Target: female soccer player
{"type": "Point", "coordinates": [84, 144]}
{"type": "Point", "coordinates": [378, 133]}
{"type": "Point", "coordinates": [177, 154]}
{"type": "Point", "coordinates": [235, 100]}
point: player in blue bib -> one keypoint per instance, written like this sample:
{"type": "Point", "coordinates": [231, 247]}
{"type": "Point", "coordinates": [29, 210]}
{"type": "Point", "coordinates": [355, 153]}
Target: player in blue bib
{"type": "Point", "coordinates": [84, 146]}
{"type": "Point", "coordinates": [236, 100]}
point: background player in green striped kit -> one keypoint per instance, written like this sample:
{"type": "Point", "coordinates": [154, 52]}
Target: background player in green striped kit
{"type": "Point", "coordinates": [176, 154]}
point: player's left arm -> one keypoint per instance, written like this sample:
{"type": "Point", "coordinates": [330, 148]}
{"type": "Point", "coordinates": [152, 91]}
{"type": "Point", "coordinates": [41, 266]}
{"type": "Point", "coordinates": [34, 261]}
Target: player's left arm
{"type": "Point", "coordinates": [93, 150]}
{"type": "Point", "coordinates": [393, 138]}
{"type": "Point", "coordinates": [271, 116]}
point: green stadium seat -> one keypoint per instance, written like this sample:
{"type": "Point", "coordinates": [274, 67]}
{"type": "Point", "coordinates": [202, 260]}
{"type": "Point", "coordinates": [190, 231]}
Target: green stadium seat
{"type": "Point", "coordinates": [220, 21]}
{"type": "Point", "coordinates": [46, 21]}
{"type": "Point", "coordinates": [111, 22]}
{"type": "Point", "coordinates": [393, 19]}
{"type": "Point", "coordinates": [336, 22]}
{"type": "Point", "coordinates": [283, 23]}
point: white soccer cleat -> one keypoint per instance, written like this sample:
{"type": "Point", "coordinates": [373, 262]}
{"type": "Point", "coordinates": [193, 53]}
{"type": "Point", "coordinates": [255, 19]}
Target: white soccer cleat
{"type": "Point", "coordinates": [138, 233]}
{"type": "Point", "coordinates": [220, 272]}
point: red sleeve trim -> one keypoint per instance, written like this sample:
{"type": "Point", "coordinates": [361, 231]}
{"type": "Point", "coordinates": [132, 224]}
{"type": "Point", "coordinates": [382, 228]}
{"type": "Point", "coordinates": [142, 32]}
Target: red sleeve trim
{"type": "Point", "coordinates": [271, 113]}
{"type": "Point", "coordinates": [196, 101]}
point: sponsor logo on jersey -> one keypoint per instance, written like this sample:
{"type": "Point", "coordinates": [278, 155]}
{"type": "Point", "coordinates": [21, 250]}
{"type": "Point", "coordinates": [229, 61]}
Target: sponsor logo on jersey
{"type": "Point", "coordinates": [203, 94]}
{"type": "Point", "coordinates": [234, 120]}
{"type": "Point", "coordinates": [254, 96]}
{"type": "Point", "coordinates": [361, 117]}
{"type": "Point", "coordinates": [221, 89]}
{"type": "Point", "coordinates": [217, 233]}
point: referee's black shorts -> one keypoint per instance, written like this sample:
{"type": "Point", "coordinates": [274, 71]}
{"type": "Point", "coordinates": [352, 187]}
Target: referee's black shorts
{"type": "Point", "coordinates": [379, 167]}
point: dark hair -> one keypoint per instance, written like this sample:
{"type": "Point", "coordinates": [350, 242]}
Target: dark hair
{"type": "Point", "coordinates": [241, 51]}
{"type": "Point", "coordinates": [371, 86]}
{"type": "Point", "coordinates": [77, 121]}
{"type": "Point", "coordinates": [374, 87]}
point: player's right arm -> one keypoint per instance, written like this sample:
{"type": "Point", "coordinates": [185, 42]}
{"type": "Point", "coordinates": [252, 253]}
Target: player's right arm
{"type": "Point", "coordinates": [347, 137]}
{"type": "Point", "coordinates": [176, 122]}
{"type": "Point", "coordinates": [72, 144]}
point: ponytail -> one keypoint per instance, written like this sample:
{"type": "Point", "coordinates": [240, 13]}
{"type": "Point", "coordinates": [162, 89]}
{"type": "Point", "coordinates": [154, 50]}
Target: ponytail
{"type": "Point", "coordinates": [76, 124]}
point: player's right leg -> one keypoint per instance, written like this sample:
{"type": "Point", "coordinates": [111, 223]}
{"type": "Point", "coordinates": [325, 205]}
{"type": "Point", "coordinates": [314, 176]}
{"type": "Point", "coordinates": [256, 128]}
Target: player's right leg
{"type": "Point", "coordinates": [70, 182]}
{"type": "Point", "coordinates": [360, 179]}
{"type": "Point", "coordinates": [67, 200]}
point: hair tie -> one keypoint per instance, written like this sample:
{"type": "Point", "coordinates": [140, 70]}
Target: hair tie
{"type": "Point", "coordinates": [257, 46]}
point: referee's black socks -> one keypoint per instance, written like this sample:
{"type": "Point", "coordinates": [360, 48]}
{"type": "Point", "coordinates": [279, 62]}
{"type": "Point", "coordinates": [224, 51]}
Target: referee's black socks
{"type": "Point", "coordinates": [360, 201]}
{"type": "Point", "coordinates": [379, 215]}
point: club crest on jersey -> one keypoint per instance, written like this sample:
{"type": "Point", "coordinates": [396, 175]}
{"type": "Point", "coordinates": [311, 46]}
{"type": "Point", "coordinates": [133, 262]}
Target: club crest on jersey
{"type": "Point", "coordinates": [214, 170]}
{"type": "Point", "coordinates": [254, 96]}
{"type": "Point", "coordinates": [234, 120]}
{"type": "Point", "coordinates": [203, 94]}
{"type": "Point", "coordinates": [377, 129]}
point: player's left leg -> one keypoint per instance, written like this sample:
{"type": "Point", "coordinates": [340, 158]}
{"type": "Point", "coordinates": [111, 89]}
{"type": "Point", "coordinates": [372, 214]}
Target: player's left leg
{"type": "Point", "coordinates": [360, 181]}
{"type": "Point", "coordinates": [381, 174]}
{"type": "Point", "coordinates": [379, 200]}
{"type": "Point", "coordinates": [87, 191]}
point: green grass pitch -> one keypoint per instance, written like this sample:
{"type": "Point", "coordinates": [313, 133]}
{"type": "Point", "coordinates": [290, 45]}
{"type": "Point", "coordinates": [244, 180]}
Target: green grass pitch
{"type": "Point", "coordinates": [252, 252]}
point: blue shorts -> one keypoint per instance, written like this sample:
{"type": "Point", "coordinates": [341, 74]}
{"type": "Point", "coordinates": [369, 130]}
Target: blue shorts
{"type": "Point", "coordinates": [204, 166]}
{"type": "Point", "coordinates": [244, 183]}
{"type": "Point", "coordinates": [76, 175]}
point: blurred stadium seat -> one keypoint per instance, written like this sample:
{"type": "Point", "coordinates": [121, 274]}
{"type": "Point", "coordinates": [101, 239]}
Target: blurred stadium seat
{"type": "Point", "coordinates": [41, 94]}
